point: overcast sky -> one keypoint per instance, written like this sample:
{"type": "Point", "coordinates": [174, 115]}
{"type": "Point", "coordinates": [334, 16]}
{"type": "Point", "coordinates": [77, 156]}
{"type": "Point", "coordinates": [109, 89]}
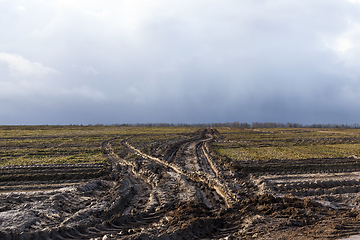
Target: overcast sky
{"type": "Point", "coordinates": [130, 61]}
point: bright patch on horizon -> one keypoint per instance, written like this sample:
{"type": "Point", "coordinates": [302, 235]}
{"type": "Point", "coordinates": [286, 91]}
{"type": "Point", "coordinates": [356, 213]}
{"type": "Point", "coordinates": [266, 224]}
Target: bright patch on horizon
{"type": "Point", "coordinates": [343, 44]}
{"type": "Point", "coordinates": [20, 9]}
{"type": "Point", "coordinates": [347, 40]}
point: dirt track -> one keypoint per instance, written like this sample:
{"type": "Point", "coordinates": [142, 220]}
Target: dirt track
{"type": "Point", "coordinates": [180, 191]}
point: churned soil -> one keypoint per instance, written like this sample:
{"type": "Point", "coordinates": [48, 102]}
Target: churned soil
{"type": "Point", "coordinates": [180, 190]}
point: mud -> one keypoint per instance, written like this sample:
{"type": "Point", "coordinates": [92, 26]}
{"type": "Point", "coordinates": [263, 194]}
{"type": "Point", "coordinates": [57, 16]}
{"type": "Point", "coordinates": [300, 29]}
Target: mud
{"type": "Point", "coordinates": [180, 190]}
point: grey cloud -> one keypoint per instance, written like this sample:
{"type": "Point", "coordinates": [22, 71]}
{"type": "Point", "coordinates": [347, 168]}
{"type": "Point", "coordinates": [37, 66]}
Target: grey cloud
{"type": "Point", "coordinates": [23, 67]}
{"type": "Point", "coordinates": [193, 62]}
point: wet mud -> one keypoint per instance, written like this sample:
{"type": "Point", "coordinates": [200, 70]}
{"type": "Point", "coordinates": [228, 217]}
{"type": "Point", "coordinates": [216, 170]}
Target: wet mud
{"type": "Point", "coordinates": [179, 190]}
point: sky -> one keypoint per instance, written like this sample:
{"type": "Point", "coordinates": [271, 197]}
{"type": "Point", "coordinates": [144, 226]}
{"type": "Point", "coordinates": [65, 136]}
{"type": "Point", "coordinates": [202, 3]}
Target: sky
{"type": "Point", "coordinates": [166, 61]}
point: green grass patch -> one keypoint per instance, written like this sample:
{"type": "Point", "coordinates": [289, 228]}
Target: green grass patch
{"type": "Point", "coordinates": [74, 144]}
{"type": "Point", "coordinates": [268, 144]}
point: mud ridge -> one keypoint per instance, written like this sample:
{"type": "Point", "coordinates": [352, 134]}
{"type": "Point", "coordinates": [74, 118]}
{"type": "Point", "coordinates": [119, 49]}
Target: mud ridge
{"type": "Point", "coordinates": [180, 190]}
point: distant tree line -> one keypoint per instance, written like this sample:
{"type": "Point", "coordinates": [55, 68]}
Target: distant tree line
{"type": "Point", "coordinates": [227, 124]}
{"type": "Point", "coordinates": [240, 125]}
{"type": "Point", "coordinates": [299, 125]}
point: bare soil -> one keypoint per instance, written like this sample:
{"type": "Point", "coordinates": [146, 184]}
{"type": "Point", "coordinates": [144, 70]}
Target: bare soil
{"type": "Point", "coordinates": [181, 191]}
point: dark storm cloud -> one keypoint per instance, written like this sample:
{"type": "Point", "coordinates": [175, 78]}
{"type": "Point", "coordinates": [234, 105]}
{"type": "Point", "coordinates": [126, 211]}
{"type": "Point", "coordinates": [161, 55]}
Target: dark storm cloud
{"type": "Point", "coordinates": [65, 62]}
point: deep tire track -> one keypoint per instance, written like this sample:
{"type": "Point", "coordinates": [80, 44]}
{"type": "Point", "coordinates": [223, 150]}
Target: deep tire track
{"type": "Point", "coordinates": [185, 195]}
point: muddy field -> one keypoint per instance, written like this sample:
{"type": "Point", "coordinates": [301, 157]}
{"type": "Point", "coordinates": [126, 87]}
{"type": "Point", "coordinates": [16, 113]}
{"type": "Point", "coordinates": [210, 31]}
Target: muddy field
{"type": "Point", "coordinates": [178, 188]}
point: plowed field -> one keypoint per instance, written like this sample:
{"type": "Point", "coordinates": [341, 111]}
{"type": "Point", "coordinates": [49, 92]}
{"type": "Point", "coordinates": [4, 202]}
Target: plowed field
{"type": "Point", "coordinates": [177, 184]}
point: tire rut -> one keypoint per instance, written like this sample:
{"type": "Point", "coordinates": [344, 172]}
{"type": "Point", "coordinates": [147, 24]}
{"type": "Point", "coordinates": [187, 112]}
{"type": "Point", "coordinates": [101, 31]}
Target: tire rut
{"type": "Point", "coordinates": [178, 191]}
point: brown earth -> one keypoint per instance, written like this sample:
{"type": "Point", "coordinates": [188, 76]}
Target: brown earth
{"type": "Point", "coordinates": [181, 191]}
